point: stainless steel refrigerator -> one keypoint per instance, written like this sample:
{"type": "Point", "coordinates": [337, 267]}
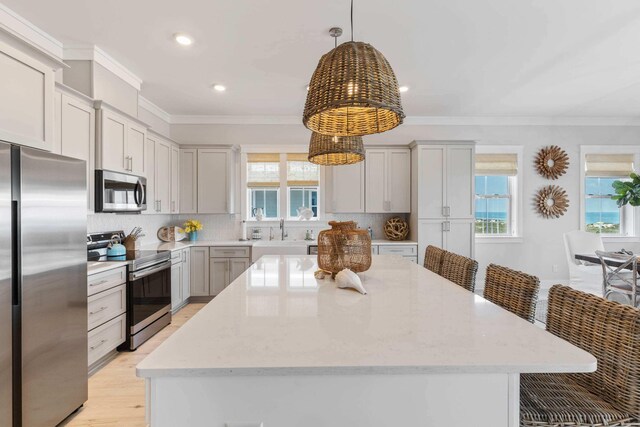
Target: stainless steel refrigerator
{"type": "Point", "coordinates": [43, 287]}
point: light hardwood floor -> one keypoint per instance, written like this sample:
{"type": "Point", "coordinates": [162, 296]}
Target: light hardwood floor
{"type": "Point", "coordinates": [116, 395]}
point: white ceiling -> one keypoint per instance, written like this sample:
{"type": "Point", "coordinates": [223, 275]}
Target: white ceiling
{"type": "Point", "coordinates": [460, 57]}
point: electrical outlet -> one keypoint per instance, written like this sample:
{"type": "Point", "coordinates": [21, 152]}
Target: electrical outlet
{"type": "Point", "coordinates": [260, 424]}
{"type": "Point", "coordinates": [555, 268]}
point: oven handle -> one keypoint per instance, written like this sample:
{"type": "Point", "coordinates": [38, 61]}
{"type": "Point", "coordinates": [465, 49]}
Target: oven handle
{"type": "Point", "coordinates": [144, 273]}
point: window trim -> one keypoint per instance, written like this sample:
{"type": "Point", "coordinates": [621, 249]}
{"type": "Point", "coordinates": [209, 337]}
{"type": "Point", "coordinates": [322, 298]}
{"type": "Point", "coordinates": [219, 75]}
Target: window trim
{"type": "Point", "coordinates": [249, 203]}
{"type": "Point", "coordinates": [630, 217]}
{"type": "Point", "coordinates": [302, 187]}
{"type": "Point", "coordinates": [283, 207]}
{"type": "Point", "coordinates": [516, 188]}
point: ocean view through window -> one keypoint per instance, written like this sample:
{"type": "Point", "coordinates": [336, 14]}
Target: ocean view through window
{"type": "Point", "coordinates": [493, 200]}
{"type": "Point", "coordinates": [496, 192]}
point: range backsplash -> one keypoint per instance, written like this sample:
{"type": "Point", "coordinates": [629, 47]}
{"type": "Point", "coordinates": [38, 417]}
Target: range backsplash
{"type": "Point", "coordinates": [227, 227]}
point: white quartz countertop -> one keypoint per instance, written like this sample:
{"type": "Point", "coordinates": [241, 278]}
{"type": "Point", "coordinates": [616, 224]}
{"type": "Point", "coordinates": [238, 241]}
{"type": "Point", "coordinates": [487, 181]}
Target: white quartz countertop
{"type": "Point", "coordinates": [173, 246]}
{"type": "Point", "coordinates": [277, 319]}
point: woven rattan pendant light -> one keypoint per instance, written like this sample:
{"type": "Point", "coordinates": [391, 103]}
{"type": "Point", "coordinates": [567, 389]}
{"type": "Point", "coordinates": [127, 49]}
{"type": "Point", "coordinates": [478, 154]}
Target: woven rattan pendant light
{"type": "Point", "coordinates": [335, 150]}
{"type": "Point", "coordinates": [353, 92]}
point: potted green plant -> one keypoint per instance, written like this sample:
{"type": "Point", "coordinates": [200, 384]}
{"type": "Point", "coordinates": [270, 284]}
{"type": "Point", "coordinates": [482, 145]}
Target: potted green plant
{"type": "Point", "coordinates": [627, 192]}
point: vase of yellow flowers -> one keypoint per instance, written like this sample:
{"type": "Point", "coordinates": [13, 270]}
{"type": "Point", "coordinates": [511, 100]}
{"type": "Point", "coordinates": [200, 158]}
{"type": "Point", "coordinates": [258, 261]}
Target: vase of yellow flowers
{"type": "Point", "coordinates": [192, 226]}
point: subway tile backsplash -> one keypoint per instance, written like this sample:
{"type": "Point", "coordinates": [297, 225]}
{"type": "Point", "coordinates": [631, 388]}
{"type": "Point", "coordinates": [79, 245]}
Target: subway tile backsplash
{"type": "Point", "coordinates": [228, 227]}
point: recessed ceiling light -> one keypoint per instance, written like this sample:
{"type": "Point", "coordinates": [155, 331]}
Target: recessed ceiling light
{"type": "Point", "coordinates": [183, 39]}
{"type": "Point", "coordinates": [219, 88]}
{"type": "Point", "coordinates": [403, 88]}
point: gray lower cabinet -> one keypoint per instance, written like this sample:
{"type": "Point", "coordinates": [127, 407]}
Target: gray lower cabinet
{"type": "Point", "coordinates": [214, 268]}
{"type": "Point", "coordinates": [106, 313]}
{"type": "Point", "coordinates": [223, 271]}
{"type": "Point", "coordinates": [180, 278]}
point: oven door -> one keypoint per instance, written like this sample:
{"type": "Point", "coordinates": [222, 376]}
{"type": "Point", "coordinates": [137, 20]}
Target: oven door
{"type": "Point", "coordinates": [149, 295]}
{"type": "Point", "coordinates": [119, 192]}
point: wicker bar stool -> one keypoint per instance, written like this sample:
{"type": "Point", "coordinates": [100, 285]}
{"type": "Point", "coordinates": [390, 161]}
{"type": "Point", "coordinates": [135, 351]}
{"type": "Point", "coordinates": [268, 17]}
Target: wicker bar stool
{"type": "Point", "coordinates": [608, 397]}
{"type": "Point", "coordinates": [433, 258]}
{"type": "Point", "coordinates": [512, 290]}
{"type": "Point", "coordinates": [460, 270]}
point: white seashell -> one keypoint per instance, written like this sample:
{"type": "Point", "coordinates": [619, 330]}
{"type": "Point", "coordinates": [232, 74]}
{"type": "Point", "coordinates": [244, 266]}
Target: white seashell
{"type": "Point", "coordinates": [348, 279]}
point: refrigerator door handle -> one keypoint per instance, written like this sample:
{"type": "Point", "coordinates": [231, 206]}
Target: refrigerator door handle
{"type": "Point", "coordinates": [15, 248]}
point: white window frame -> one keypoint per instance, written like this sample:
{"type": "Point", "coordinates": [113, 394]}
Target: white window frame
{"type": "Point", "coordinates": [301, 187]}
{"type": "Point", "coordinates": [629, 216]}
{"type": "Point", "coordinates": [283, 207]}
{"type": "Point", "coordinates": [516, 192]}
{"type": "Point", "coordinates": [248, 192]}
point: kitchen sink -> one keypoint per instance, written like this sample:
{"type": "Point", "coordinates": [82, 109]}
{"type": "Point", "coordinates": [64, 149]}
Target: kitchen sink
{"type": "Point", "coordinates": [278, 247]}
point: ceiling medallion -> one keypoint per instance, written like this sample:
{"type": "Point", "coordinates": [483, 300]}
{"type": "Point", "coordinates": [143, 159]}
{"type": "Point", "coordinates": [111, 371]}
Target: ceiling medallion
{"type": "Point", "coordinates": [335, 150]}
{"type": "Point", "coordinates": [552, 162]}
{"type": "Point", "coordinates": [353, 92]}
{"type": "Point", "coordinates": [551, 201]}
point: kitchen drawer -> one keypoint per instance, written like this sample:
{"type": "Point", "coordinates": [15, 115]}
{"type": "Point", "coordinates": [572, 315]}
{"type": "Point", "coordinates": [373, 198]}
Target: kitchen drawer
{"type": "Point", "coordinates": [107, 279]}
{"type": "Point", "coordinates": [411, 250]}
{"type": "Point", "coordinates": [106, 338]}
{"type": "Point", "coordinates": [106, 305]}
{"type": "Point", "coordinates": [176, 256]}
{"type": "Point", "coordinates": [230, 252]}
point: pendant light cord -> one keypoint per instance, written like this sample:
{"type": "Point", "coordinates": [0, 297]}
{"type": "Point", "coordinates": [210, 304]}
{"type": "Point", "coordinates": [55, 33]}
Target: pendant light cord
{"type": "Point", "coordinates": [351, 20]}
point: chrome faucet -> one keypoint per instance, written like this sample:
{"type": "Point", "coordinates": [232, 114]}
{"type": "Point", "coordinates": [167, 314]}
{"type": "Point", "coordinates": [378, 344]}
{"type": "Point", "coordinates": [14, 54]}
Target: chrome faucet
{"type": "Point", "coordinates": [282, 231]}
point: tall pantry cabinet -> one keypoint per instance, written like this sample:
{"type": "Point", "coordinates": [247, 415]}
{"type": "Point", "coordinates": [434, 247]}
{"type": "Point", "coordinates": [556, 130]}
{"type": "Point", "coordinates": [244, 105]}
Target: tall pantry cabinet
{"type": "Point", "coordinates": [443, 197]}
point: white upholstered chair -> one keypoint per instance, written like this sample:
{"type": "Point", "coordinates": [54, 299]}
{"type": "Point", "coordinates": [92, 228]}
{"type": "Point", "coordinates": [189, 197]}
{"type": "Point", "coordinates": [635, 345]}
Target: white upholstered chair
{"type": "Point", "coordinates": [583, 276]}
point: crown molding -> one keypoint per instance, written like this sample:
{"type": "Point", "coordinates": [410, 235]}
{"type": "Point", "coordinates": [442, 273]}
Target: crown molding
{"type": "Point", "coordinates": [153, 108]}
{"type": "Point", "coordinates": [28, 33]}
{"type": "Point", "coordinates": [94, 53]}
{"type": "Point", "coordinates": [418, 120]}
{"type": "Point", "coordinates": [235, 120]}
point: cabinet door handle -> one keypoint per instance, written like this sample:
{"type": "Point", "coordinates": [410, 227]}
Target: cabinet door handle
{"type": "Point", "coordinates": [98, 345]}
{"type": "Point", "coordinates": [173, 206]}
{"type": "Point", "coordinates": [102, 282]}
{"type": "Point", "coordinates": [446, 226]}
{"type": "Point", "coordinates": [446, 211]}
{"type": "Point", "coordinates": [98, 310]}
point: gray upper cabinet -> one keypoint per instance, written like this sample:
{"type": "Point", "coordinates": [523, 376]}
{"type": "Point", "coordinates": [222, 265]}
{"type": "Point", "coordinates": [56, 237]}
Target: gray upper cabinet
{"type": "Point", "coordinates": [75, 125]}
{"type": "Point", "coordinates": [121, 142]}
{"type": "Point", "coordinates": [27, 93]}
{"type": "Point", "coordinates": [207, 180]}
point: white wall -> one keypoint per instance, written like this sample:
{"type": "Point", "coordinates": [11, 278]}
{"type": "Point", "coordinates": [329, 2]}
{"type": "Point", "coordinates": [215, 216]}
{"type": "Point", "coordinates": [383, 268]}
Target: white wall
{"type": "Point", "coordinates": [541, 248]}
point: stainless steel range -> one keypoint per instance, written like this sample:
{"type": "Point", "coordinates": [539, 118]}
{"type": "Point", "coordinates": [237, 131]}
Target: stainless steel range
{"type": "Point", "coordinates": [148, 287]}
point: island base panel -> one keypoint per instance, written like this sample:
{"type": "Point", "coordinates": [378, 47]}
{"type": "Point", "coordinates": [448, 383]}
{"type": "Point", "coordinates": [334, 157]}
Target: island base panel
{"type": "Point", "coordinates": [452, 400]}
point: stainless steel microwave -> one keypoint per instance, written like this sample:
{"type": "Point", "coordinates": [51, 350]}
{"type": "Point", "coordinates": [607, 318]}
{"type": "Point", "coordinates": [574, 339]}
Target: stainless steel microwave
{"type": "Point", "coordinates": [120, 192]}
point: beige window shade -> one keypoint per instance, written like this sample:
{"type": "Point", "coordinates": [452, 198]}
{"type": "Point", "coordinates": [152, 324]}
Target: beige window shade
{"type": "Point", "coordinates": [608, 165]}
{"type": "Point", "coordinates": [300, 172]}
{"type": "Point", "coordinates": [263, 170]}
{"type": "Point", "coordinates": [497, 164]}
{"type": "Point", "coordinates": [263, 157]}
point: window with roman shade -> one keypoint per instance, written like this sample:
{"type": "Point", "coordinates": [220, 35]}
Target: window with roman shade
{"type": "Point", "coordinates": [263, 184]}
{"type": "Point", "coordinates": [601, 213]}
{"type": "Point", "coordinates": [303, 179]}
{"type": "Point", "coordinates": [495, 186]}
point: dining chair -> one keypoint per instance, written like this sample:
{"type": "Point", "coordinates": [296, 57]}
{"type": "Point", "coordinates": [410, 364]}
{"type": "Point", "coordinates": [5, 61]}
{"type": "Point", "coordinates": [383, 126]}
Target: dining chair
{"type": "Point", "coordinates": [620, 280]}
{"type": "Point", "coordinates": [512, 290]}
{"type": "Point", "coordinates": [433, 258]}
{"type": "Point", "coordinates": [610, 396]}
{"type": "Point", "coordinates": [584, 276]}
{"type": "Point", "coordinates": [459, 269]}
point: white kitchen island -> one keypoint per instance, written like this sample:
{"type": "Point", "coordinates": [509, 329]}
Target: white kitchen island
{"type": "Point", "coordinates": [279, 348]}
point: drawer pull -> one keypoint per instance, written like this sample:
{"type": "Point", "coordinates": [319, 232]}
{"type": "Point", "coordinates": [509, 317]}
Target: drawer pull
{"type": "Point", "coordinates": [102, 282]}
{"type": "Point", "coordinates": [98, 345]}
{"type": "Point", "coordinates": [98, 311]}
